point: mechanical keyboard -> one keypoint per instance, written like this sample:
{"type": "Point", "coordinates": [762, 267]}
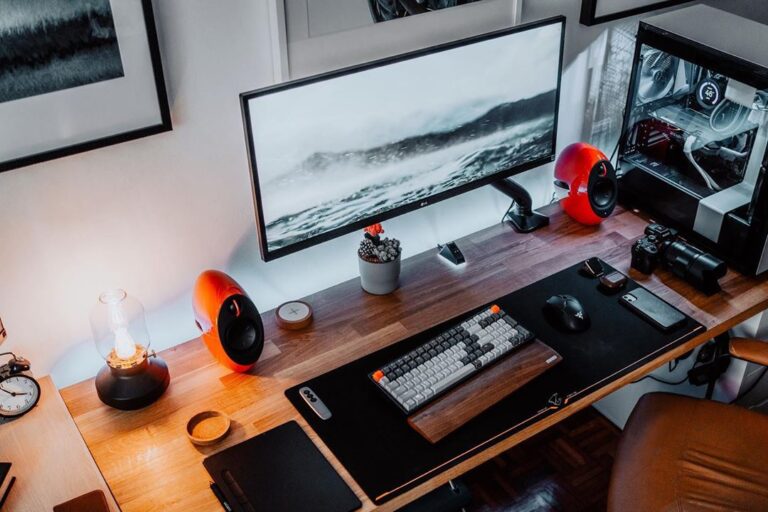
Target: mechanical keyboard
{"type": "Point", "coordinates": [446, 360]}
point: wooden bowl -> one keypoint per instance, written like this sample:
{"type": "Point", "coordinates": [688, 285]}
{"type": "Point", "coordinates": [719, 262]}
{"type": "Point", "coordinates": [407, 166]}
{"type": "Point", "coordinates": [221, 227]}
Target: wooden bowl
{"type": "Point", "coordinates": [208, 427]}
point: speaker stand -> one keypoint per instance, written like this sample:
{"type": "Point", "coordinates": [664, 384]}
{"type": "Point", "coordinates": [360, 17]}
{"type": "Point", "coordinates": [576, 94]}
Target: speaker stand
{"type": "Point", "coordinates": [520, 216]}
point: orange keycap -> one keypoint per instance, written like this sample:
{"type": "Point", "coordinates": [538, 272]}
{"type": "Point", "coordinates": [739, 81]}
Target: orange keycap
{"type": "Point", "coordinates": [495, 309]}
{"type": "Point", "coordinates": [378, 375]}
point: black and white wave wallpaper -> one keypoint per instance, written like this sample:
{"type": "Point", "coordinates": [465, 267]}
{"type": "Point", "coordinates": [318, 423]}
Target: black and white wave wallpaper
{"type": "Point", "coordinates": [340, 150]}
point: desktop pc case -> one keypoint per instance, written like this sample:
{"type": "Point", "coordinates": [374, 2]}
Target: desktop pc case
{"type": "Point", "coordinates": [693, 146]}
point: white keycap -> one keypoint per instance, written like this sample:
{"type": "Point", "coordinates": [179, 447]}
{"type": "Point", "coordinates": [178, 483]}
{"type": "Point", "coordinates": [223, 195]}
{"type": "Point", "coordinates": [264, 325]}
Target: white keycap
{"type": "Point", "coordinates": [452, 378]}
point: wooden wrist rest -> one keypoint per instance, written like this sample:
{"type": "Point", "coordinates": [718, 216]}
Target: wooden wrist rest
{"type": "Point", "coordinates": [487, 388]}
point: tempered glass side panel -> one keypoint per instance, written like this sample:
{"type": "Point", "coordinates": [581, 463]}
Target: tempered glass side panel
{"type": "Point", "coordinates": [694, 128]}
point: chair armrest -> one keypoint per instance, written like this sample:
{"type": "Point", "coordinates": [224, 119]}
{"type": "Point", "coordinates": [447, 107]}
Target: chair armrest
{"type": "Point", "coordinates": [754, 351]}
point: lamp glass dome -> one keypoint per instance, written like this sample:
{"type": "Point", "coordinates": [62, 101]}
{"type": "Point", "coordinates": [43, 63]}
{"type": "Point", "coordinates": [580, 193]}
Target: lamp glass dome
{"type": "Point", "coordinates": [119, 329]}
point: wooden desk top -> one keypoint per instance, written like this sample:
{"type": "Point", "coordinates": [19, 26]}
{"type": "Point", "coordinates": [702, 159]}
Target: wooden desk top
{"type": "Point", "coordinates": [150, 465]}
{"type": "Point", "coordinates": [50, 461]}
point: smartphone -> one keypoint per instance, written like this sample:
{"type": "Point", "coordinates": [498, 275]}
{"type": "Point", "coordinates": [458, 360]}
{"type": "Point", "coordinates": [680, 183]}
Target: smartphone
{"type": "Point", "coordinates": [652, 309]}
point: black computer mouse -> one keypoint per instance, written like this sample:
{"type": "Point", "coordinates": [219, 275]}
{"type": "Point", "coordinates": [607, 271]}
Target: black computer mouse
{"type": "Point", "coordinates": [567, 313]}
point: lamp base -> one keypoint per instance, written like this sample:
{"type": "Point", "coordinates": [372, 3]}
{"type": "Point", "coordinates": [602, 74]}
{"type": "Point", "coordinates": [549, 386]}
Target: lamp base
{"type": "Point", "coordinates": [133, 388]}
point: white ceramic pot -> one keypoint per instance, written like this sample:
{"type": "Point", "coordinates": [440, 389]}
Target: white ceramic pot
{"type": "Point", "coordinates": [379, 278]}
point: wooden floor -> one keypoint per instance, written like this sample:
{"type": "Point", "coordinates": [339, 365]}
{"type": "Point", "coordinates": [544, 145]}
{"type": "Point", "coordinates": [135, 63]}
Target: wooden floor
{"type": "Point", "coordinates": [565, 468]}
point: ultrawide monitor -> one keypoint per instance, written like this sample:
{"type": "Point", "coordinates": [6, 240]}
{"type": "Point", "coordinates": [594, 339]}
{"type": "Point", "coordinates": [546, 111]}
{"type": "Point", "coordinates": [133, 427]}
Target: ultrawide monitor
{"type": "Point", "coordinates": [337, 152]}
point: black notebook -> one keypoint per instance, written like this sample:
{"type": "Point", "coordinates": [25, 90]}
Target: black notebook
{"type": "Point", "coordinates": [5, 468]}
{"type": "Point", "coordinates": [6, 481]}
{"type": "Point", "coordinates": [280, 469]}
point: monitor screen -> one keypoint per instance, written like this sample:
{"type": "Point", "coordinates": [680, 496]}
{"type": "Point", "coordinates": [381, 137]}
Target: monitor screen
{"type": "Point", "coordinates": [337, 152]}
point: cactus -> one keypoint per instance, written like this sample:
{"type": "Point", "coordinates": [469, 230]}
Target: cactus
{"type": "Point", "coordinates": [375, 249]}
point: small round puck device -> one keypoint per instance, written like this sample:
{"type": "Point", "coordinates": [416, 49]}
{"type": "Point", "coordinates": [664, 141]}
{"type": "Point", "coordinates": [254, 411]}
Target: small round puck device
{"type": "Point", "coordinates": [293, 315]}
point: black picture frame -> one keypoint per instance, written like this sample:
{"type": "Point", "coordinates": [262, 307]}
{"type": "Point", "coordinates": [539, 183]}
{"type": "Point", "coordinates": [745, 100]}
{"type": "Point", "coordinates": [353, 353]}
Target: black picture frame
{"type": "Point", "coordinates": [269, 255]}
{"type": "Point", "coordinates": [164, 125]}
{"type": "Point", "coordinates": [589, 11]}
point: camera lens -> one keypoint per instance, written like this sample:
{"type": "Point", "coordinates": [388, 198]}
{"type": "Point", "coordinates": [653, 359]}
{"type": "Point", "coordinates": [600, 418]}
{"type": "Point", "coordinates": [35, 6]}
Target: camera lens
{"type": "Point", "coordinates": [699, 268]}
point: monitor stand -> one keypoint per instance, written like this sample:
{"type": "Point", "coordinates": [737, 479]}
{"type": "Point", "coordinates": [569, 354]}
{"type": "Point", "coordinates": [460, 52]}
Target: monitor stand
{"type": "Point", "coordinates": [520, 216]}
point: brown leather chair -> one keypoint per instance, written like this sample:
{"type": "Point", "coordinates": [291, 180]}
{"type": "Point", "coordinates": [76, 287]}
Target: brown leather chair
{"type": "Point", "coordinates": [685, 454]}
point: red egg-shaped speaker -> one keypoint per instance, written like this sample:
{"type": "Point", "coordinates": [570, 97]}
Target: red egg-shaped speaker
{"type": "Point", "coordinates": [590, 179]}
{"type": "Point", "coordinates": [230, 323]}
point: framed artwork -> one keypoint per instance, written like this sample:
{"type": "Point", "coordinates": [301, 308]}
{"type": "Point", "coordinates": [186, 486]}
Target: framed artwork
{"type": "Point", "coordinates": [594, 12]}
{"type": "Point", "coordinates": [311, 37]}
{"type": "Point", "coordinates": [386, 10]}
{"type": "Point", "coordinates": [76, 75]}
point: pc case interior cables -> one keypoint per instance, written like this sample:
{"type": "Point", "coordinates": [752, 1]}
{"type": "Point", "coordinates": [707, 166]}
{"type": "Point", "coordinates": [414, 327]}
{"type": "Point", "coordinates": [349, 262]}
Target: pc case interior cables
{"type": "Point", "coordinates": [742, 114]}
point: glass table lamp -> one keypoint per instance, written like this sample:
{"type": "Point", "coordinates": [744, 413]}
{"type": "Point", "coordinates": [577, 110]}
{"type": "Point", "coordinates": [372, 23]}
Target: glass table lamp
{"type": "Point", "coordinates": [134, 376]}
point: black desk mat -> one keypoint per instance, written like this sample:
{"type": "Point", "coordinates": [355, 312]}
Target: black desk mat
{"type": "Point", "coordinates": [386, 457]}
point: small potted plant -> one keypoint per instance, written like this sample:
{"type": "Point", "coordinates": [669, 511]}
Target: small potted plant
{"type": "Point", "coordinates": [379, 260]}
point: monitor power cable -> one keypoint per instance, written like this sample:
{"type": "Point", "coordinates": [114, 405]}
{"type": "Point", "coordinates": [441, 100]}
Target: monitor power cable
{"type": "Point", "coordinates": [511, 207]}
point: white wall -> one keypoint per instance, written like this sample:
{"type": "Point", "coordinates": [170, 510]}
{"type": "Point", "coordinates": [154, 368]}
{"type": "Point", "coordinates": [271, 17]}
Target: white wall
{"type": "Point", "coordinates": [149, 215]}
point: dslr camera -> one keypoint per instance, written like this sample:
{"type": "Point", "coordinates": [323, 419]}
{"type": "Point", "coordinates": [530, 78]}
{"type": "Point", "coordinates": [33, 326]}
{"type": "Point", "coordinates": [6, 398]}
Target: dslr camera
{"type": "Point", "coordinates": [662, 246]}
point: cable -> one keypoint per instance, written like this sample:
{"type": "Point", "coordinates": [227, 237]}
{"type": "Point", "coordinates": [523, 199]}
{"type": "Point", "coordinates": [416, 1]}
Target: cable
{"type": "Point", "coordinates": [761, 102]}
{"type": "Point", "coordinates": [616, 148]}
{"type": "Point", "coordinates": [750, 388]}
{"type": "Point", "coordinates": [666, 381]}
{"type": "Point", "coordinates": [688, 151]}
{"type": "Point", "coordinates": [615, 151]}
{"type": "Point", "coordinates": [736, 121]}
{"type": "Point", "coordinates": [507, 212]}
{"type": "Point", "coordinates": [733, 152]}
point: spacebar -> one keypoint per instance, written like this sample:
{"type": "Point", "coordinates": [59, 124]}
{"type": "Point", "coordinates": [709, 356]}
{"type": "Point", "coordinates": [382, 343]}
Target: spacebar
{"type": "Point", "coordinates": [453, 378]}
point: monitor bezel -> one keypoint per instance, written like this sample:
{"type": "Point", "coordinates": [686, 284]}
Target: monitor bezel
{"type": "Point", "coordinates": [269, 255]}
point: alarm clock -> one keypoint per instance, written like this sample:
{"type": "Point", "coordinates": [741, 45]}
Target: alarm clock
{"type": "Point", "coordinates": [19, 392]}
